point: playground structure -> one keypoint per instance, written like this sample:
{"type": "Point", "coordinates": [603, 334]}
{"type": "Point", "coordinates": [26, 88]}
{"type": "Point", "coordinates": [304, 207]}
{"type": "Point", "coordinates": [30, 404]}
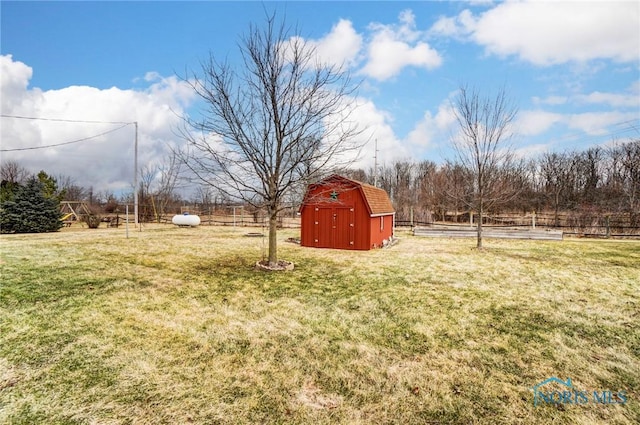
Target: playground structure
{"type": "Point", "coordinates": [66, 217]}
{"type": "Point", "coordinates": [78, 211]}
{"type": "Point", "coordinates": [73, 211]}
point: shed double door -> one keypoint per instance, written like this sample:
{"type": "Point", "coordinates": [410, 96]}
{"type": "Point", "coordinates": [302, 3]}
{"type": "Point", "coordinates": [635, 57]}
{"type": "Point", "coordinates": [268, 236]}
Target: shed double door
{"type": "Point", "coordinates": [334, 227]}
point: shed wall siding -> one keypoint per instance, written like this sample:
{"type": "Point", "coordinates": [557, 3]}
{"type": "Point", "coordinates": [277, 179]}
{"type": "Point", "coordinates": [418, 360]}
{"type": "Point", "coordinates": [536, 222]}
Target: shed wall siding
{"type": "Point", "coordinates": [380, 233]}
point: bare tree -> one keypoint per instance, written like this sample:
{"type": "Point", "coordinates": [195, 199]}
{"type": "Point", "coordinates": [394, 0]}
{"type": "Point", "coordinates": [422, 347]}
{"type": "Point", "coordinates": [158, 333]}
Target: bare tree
{"type": "Point", "coordinates": [590, 174]}
{"type": "Point", "coordinates": [527, 179]}
{"type": "Point", "coordinates": [13, 172]}
{"type": "Point", "coordinates": [455, 185]}
{"type": "Point", "coordinates": [205, 197]}
{"type": "Point", "coordinates": [613, 178]}
{"type": "Point", "coordinates": [424, 184]}
{"type": "Point", "coordinates": [168, 177]}
{"type": "Point", "coordinates": [12, 175]}
{"type": "Point", "coordinates": [72, 191]}
{"type": "Point", "coordinates": [556, 174]}
{"type": "Point", "coordinates": [398, 178]}
{"type": "Point", "coordinates": [146, 177]}
{"type": "Point", "coordinates": [483, 149]}
{"type": "Point", "coordinates": [158, 184]}
{"type": "Point", "coordinates": [279, 119]}
{"type": "Point", "coordinates": [631, 174]}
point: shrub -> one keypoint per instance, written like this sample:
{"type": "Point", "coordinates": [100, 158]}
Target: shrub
{"type": "Point", "coordinates": [92, 220]}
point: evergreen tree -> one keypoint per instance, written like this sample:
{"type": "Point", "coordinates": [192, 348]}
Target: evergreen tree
{"type": "Point", "coordinates": [7, 190]}
{"type": "Point", "coordinates": [30, 210]}
{"type": "Point", "coordinates": [50, 186]}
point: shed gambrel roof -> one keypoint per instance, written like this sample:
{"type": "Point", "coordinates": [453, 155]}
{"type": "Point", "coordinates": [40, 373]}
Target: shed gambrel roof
{"type": "Point", "coordinates": [376, 199]}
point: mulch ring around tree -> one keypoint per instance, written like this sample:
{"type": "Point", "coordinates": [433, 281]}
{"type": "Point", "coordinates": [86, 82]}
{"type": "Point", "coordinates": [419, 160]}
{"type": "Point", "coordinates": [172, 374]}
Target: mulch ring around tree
{"type": "Point", "coordinates": [280, 266]}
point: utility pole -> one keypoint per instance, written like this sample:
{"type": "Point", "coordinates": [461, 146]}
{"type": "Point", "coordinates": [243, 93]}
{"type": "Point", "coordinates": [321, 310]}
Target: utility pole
{"type": "Point", "coordinates": [375, 165]}
{"type": "Point", "coordinates": [135, 178]}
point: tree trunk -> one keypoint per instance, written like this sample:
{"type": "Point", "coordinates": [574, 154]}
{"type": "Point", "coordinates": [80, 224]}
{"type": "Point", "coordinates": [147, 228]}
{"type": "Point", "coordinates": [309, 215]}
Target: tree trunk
{"type": "Point", "coordinates": [556, 207]}
{"type": "Point", "coordinates": [273, 237]}
{"type": "Point", "coordinates": [480, 217]}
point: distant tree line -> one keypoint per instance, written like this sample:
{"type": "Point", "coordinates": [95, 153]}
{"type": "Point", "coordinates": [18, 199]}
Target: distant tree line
{"type": "Point", "coordinates": [160, 193]}
{"type": "Point", "coordinates": [596, 181]}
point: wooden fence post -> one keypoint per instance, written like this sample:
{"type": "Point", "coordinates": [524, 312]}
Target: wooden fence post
{"type": "Point", "coordinates": [533, 219]}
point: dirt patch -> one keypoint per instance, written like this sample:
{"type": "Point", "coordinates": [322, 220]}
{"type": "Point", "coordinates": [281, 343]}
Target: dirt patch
{"type": "Point", "coordinates": [8, 375]}
{"type": "Point", "coordinates": [312, 396]}
{"type": "Point", "coordinates": [280, 266]}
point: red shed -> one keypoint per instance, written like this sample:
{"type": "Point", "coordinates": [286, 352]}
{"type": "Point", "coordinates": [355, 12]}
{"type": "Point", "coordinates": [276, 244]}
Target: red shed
{"type": "Point", "coordinates": [341, 213]}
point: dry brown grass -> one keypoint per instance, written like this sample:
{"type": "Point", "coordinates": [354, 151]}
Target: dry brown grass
{"type": "Point", "coordinates": [174, 326]}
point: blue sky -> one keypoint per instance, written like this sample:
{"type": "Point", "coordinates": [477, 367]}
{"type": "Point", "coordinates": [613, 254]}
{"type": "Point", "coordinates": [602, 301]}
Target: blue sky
{"type": "Point", "coordinates": [572, 68]}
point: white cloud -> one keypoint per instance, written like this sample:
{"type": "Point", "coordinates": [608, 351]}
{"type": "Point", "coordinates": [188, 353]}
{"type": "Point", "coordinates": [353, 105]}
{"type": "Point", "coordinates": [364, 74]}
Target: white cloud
{"type": "Point", "coordinates": [103, 162]}
{"type": "Point", "coordinates": [432, 129]}
{"type": "Point", "coordinates": [394, 47]}
{"type": "Point", "coordinates": [599, 123]}
{"type": "Point", "coordinates": [613, 99]}
{"type": "Point", "coordinates": [530, 123]}
{"type": "Point", "coordinates": [547, 33]}
{"type": "Point", "coordinates": [460, 26]}
{"type": "Point", "coordinates": [340, 46]}
{"type": "Point", "coordinates": [532, 151]}
{"type": "Point", "coordinates": [14, 79]}
{"type": "Point", "coordinates": [389, 48]}
{"type": "Point", "coordinates": [628, 99]}
{"type": "Point", "coordinates": [536, 122]}
{"type": "Point", "coordinates": [15, 74]}
{"type": "Point", "coordinates": [375, 125]}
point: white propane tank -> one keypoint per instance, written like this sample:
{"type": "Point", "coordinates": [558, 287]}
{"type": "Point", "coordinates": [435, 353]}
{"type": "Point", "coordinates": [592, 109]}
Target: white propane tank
{"type": "Point", "coordinates": [185, 219]}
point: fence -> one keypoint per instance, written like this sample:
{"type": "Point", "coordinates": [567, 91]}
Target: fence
{"type": "Point", "coordinates": [491, 232]}
{"type": "Point", "coordinates": [576, 224]}
{"type": "Point", "coordinates": [570, 224]}
{"type": "Point", "coordinates": [244, 220]}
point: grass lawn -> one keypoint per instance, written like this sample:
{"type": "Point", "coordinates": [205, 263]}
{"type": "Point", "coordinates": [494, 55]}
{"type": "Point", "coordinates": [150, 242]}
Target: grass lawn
{"type": "Point", "coordinates": [173, 326]}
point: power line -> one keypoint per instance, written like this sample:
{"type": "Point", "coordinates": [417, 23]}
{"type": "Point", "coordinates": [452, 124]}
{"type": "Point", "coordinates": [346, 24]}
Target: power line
{"type": "Point", "coordinates": [617, 130]}
{"type": "Point", "coordinates": [64, 120]}
{"type": "Point", "coordinates": [66, 143]}
{"type": "Point", "coordinates": [124, 124]}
